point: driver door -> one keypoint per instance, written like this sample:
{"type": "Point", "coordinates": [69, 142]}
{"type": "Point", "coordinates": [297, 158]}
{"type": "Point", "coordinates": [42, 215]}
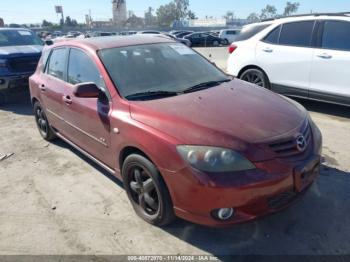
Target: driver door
{"type": "Point", "coordinates": [87, 119]}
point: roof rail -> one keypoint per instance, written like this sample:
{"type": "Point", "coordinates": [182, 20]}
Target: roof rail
{"type": "Point", "coordinates": [311, 14]}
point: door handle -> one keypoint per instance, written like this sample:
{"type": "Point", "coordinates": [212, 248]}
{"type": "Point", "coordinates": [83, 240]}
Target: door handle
{"type": "Point", "coordinates": [67, 100]}
{"type": "Point", "coordinates": [42, 88]}
{"type": "Point", "coordinates": [268, 50]}
{"type": "Point", "coordinates": [325, 56]}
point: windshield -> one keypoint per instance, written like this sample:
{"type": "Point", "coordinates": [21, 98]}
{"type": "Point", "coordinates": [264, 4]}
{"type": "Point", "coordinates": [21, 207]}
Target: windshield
{"type": "Point", "coordinates": [18, 37]}
{"type": "Point", "coordinates": [169, 67]}
{"type": "Point", "coordinates": [250, 31]}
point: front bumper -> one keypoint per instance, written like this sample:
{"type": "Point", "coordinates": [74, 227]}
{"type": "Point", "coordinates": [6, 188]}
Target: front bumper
{"type": "Point", "coordinates": [14, 81]}
{"type": "Point", "coordinates": [252, 194]}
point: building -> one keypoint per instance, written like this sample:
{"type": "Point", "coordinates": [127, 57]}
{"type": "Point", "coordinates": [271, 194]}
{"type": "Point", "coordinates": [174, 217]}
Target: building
{"type": "Point", "coordinates": [2, 24]}
{"type": "Point", "coordinates": [119, 12]}
{"type": "Point", "coordinates": [208, 22]}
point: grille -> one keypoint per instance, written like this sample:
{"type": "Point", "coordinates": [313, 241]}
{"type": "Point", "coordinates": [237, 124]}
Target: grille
{"type": "Point", "coordinates": [288, 147]}
{"type": "Point", "coordinates": [24, 64]}
{"type": "Point", "coordinates": [281, 200]}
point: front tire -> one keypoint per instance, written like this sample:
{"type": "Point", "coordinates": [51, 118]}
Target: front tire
{"type": "Point", "coordinates": [147, 191]}
{"type": "Point", "coordinates": [257, 77]}
{"type": "Point", "coordinates": [42, 123]}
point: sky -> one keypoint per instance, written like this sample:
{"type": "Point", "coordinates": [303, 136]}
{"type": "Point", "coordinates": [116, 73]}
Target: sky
{"type": "Point", "coordinates": [34, 11]}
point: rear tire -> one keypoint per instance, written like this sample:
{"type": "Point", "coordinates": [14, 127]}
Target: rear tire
{"type": "Point", "coordinates": [257, 77]}
{"type": "Point", "coordinates": [42, 123]}
{"type": "Point", "coordinates": [147, 191]}
{"type": "Point", "coordinates": [216, 43]}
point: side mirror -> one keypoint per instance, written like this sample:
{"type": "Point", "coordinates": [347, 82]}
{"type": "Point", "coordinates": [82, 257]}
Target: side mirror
{"type": "Point", "coordinates": [49, 42]}
{"type": "Point", "coordinates": [87, 90]}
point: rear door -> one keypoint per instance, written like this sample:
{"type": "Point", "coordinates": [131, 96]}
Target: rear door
{"type": "Point", "coordinates": [330, 74]}
{"type": "Point", "coordinates": [52, 87]}
{"type": "Point", "coordinates": [87, 119]}
{"type": "Point", "coordinates": [286, 54]}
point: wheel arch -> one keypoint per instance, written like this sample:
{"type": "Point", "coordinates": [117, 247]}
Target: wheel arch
{"type": "Point", "coordinates": [129, 150]}
{"type": "Point", "coordinates": [251, 67]}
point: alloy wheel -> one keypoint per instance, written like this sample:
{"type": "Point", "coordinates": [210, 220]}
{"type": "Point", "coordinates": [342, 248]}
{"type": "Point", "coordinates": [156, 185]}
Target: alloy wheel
{"type": "Point", "coordinates": [41, 121]}
{"type": "Point", "coordinates": [254, 77]}
{"type": "Point", "coordinates": [144, 192]}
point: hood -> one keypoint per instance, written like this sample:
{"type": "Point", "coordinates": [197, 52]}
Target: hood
{"type": "Point", "coordinates": [234, 111]}
{"type": "Point", "coordinates": [25, 50]}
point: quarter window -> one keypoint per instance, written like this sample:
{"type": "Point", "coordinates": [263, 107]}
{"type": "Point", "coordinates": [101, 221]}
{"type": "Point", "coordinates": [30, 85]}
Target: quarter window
{"type": "Point", "coordinates": [336, 35]}
{"type": "Point", "coordinates": [297, 34]}
{"type": "Point", "coordinates": [81, 69]}
{"type": "Point", "coordinates": [273, 36]}
{"type": "Point", "coordinates": [57, 63]}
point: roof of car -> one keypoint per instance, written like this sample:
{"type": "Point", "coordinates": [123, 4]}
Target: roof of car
{"type": "Point", "coordinates": [99, 43]}
{"type": "Point", "coordinates": [320, 16]}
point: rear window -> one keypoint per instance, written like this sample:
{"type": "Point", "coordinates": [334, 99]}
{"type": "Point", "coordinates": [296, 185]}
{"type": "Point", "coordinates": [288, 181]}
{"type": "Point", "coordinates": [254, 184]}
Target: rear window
{"type": "Point", "coordinates": [336, 35]}
{"type": "Point", "coordinates": [250, 31]}
{"type": "Point", "coordinates": [297, 34]}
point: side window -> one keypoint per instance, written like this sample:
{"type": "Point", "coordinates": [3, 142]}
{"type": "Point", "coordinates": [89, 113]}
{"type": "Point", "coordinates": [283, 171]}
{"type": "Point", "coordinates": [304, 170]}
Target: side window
{"type": "Point", "coordinates": [57, 63]}
{"type": "Point", "coordinates": [297, 34]}
{"type": "Point", "coordinates": [273, 36]}
{"type": "Point", "coordinates": [82, 69]}
{"type": "Point", "coordinates": [336, 35]}
{"type": "Point", "coordinates": [231, 32]}
{"type": "Point", "coordinates": [45, 56]}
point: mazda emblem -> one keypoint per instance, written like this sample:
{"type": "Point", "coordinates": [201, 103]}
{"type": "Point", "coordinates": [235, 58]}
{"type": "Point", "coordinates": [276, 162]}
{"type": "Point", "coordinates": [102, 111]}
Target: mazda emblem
{"type": "Point", "coordinates": [301, 143]}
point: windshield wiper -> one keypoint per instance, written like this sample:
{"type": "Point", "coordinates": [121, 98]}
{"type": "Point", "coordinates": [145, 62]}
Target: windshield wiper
{"type": "Point", "coordinates": [147, 94]}
{"type": "Point", "coordinates": [205, 85]}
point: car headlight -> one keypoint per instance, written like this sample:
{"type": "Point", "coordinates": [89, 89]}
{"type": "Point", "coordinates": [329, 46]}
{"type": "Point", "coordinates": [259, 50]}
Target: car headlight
{"type": "Point", "coordinates": [214, 159]}
{"type": "Point", "coordinates": [3, 63]}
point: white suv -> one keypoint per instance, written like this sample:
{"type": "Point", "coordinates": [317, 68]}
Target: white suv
{"type": "Point", "coordinates": [304, 56]}
{"type": "Point", "coordinates": [229, 35]}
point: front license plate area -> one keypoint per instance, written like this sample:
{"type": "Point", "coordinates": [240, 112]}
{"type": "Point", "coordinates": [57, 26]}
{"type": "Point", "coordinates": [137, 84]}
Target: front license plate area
{"type": "Point", "coordinates": [304, 176]}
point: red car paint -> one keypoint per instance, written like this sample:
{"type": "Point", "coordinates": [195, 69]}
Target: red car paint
{"type": "Point", "coordinates": [234, 115]}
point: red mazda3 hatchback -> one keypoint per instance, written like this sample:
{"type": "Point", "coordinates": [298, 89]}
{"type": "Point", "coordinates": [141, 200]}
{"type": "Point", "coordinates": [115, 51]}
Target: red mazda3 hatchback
{"type": "Point", "coordinates": [185, 139]}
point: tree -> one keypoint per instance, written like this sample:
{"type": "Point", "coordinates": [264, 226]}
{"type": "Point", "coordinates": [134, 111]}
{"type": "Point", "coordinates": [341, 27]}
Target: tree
{"type": "Point", "coordinates": [269, 11]}
{"type": "Point", "coordinates": [134, 21]}
{"type": "Point", "coordinates": [291, 8]}
{"type": "Point", "coordinates": [70, 22]}
{"type": "Point", "coordinates": [150, 19]}
{"type": "Point", "coordinates": [46, 23]}
{"type": "Point", "coordinates": [167, 14]}
{"type": "Point", "coordinates": [253, 18]}
{"type": "Point", "coordinates": [181, 9]}
{"type": "Point", "coordinates": [191, 15]}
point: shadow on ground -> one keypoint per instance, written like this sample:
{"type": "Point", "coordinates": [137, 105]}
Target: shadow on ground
{"type": "Point", "coordinates": [16, 102]}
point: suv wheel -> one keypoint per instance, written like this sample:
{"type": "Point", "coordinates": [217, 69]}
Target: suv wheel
{"type": "Point", "coordinates": [257, 77]}
{"type": "Point", "coordinates": [216, 43]}
{"type": "Point", "coordinates": [42, 123]}
{"type": "Point", "coordinates": [147, 191]}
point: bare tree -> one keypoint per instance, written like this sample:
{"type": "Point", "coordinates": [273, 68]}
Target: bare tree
{"type": "Point", "coordinates": [291, 8]}
{"type": "Point", "coordinates": [253, 18]}
{"type": "Point", "coordinates": [269, 11]}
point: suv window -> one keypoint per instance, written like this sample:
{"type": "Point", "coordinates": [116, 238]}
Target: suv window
{"type": "Point", "coordinates": [297, 34]}
{"type": "Point", "coordinates": [231, 32]}
{"type": "Point", "coordinates": [81, 69]}
{"type": "Point", "coordinates": [336, 35]}
{"type": "Point", "coordinates": [250, 31]}
{"type": "Point", "coordinates": [273, 36]}
{"type": "Point", "coordinates": [57, 63]}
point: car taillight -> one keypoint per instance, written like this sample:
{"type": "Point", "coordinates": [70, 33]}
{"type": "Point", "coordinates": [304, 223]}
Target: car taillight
{"type": "Point", "coordinates": [232, 48]}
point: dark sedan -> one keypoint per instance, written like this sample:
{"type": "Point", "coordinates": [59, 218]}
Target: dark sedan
{"type": "Point", "coordinates": [204, 39]}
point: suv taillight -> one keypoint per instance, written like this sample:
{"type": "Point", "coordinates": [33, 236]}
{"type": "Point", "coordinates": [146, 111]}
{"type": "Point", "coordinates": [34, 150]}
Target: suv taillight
{"type": "Point", "coordinates": [232, 48]}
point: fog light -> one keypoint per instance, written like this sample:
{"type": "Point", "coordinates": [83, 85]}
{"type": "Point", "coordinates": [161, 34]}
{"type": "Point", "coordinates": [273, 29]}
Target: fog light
{"type": "Point", "coordinates": [225, 213]}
